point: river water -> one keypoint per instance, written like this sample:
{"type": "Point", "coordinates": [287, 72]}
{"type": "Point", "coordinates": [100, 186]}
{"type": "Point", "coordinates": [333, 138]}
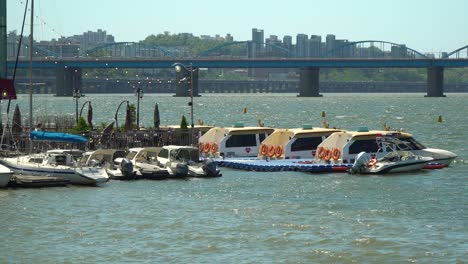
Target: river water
{"type": "Point", "coordinates": [255, 217]}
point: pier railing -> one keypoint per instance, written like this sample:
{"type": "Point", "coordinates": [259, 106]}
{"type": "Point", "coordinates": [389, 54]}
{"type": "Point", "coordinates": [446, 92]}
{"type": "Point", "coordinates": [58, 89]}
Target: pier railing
{"type": "Point", "coordinates": [20, 142]}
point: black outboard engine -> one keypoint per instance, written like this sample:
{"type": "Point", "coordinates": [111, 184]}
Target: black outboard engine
{"type": "Point", "coordinates": [181, 170]}
{"type": "Point", "coordinates": [126, 167]}
{"type": "Point", "coordinates": [209, 167]}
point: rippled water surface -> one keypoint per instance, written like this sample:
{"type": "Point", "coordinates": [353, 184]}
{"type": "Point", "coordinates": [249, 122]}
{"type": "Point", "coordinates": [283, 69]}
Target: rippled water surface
{"type": "Point", "coordinates": [250, 217]}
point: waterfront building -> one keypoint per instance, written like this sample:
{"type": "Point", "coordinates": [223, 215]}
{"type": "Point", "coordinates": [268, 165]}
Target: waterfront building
{"type": "Point", "coordinates": [330, 44]}
{"type": "Point", "coordinates": [301, 45]}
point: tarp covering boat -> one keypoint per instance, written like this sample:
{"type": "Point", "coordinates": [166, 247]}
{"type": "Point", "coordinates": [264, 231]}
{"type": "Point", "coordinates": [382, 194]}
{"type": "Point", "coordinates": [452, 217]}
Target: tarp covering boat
{"type": "Point", "coordinates": [56, 136]}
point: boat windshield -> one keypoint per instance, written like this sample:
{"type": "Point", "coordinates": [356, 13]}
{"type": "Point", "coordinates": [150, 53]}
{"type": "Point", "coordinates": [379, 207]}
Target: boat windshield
{"type": "Point", "coordinates": [187, 154]}
{"type": "Point", "coordinates": [131, 155]}
{"type": "Point", "coordinates": [413, 143]}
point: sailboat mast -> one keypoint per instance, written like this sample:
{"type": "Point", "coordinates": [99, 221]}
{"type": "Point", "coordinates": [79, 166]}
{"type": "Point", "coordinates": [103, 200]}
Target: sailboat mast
{"type": "Point", "coordinates": [30, 72]}
{"type": "Point", "coordinates": [30, 66]}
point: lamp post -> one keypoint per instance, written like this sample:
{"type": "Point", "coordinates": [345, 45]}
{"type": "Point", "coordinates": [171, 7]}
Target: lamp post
{"type": "Point", "coordinates": [76, 95]}
{"type": "Point", "coordinates": [116, 111]}
{"type": "Point", "coordinates": [139, 95]}
{"type": "Point", "coordinates": [179, 68]}
{"type": "Point", "coordinates": [83, 105]}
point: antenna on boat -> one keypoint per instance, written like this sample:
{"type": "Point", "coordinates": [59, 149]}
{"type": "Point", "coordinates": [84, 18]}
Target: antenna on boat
{"type": "Point", "coordinates": [30, 72]}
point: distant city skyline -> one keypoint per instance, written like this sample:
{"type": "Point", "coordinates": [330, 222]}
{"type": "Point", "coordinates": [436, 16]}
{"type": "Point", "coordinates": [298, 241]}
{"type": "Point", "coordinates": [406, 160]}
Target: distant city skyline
{"type": "Point", "coordinates": [421, 25]}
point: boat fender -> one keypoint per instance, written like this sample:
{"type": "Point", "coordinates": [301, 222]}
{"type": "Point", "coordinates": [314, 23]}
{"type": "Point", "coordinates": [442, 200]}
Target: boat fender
{"type": "Point", "coordinates": [206, 147]}
{"type": "Point", "coordinates": [336, 154]}
{"type": "Point", "coordinates": [328, 155]}
{"type": "Point", "coordinates": [320, 152]}
{"type": "Point", "coordinates": [264, 149]}
{"type": "Point", "coordinates": [271, 151]}
{"type": "Point", "coordinates": [278, 151]}
{"type": "Point", "coordinates": [214, 148]}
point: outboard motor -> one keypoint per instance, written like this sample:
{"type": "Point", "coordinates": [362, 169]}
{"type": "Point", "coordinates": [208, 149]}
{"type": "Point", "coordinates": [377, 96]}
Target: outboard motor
{"type": "Point", "coordinates": [126, 167]}
{"type": "Point", "coordinates": [209, 167]}
{"type": "Point", "coordinates": [361, 162]}
{"type": "Point", "coordinates": [181, 170]}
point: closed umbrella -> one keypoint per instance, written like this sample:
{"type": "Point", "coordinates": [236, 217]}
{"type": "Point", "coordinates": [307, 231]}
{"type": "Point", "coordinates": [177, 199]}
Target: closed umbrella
{"type": "Point", "coordinates": [157, 120]}
{"type": "Point", "coordinates": [16, 127]}
{"type": "Point", "coordinates": [128, 119]}
{"type": "Point", "coordinates": [90, 116]}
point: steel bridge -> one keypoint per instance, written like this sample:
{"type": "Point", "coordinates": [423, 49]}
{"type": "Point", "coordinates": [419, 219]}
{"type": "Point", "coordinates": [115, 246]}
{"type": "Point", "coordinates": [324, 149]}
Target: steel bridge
{"type": "Point", "coordinates": [350, 55]}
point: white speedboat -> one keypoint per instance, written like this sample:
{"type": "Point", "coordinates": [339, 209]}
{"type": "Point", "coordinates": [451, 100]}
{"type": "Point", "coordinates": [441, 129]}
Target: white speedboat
{"type": "Point", "coordinates": [396, 160]}
{"type": "Point", "coordinates": [344, 146]}
{"type": "Point", "coordinates": [56, 163]}
{"type": "Point", "coordinates": [236, 141]}
{"type": "Point", "coordinates": [5, 176]}
{"type": "Point", "coordinates": [183, 161]}
{"type": "Point", "coordinates": [112, 160]}
{"type": "Point", "coordinates": [145, 163]}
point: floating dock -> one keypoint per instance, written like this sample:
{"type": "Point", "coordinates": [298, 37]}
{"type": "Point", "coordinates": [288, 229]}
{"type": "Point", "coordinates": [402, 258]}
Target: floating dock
{"type": "Point", "coordinates": [28, 181]}
{"type": "Point", "coordinates": [282, 165]}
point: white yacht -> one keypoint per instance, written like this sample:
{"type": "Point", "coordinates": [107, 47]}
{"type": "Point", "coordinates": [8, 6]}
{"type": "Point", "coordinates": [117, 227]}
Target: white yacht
{"type": "Point", "coordinates": [396, 160]}
{"type": "Point", "coordinates": [295, 143]}
{"type": "Point", "coordinates": [5, 176]}
{"type": "Point", "coordinates": [237, 141]}
{"type": "Point", "coordinates": [184, 161]}
{"type": "Point", "coordinates": [345, 145]}
{"type": "Point", "coordinates": [56, 163]}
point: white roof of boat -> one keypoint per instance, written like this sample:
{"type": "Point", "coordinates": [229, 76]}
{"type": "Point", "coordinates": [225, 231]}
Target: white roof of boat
{"type": "Point", "coordinates": [216, 134]}
{"type": "Point", "coordinates": [283, 136]}
{"type": "Point", "coordinates": [172, 147]}
{"type": "Point", "coordinates": [340, 139]}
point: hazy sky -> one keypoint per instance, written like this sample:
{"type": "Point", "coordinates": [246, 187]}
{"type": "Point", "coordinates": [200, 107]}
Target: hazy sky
{"type": "Point", "coordinates": [424, 25]}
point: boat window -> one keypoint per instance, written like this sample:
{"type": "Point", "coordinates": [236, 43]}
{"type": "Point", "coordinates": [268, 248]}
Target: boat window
{"type": "Point", "coordinates": [84, 159]}
{"type": "Point", "coordinates": [194, 155]}
{"type": "Point", "coordinates": [415, 145]}
{"type": "Point", "coordinates": [366, 145]}
{"type": "Point", "coordinates": [164, 153]}
{"type": "Point", "coordinates": [308, 143]}
{"type": "Point", "coordinates": [131, 154]}
{"type": "Point", "coordinates": [35, 160]}
{"type": "Point", "coordinates": [261, 137]}
{"type": "Point", "coordinates": [241, 141]}
{"type": "Point", "coordinates": [61, 160]}
{"type": "Point", "coordinates": [183, 154]}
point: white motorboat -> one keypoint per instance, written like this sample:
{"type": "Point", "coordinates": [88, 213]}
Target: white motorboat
{"type": "Point", "coordinates": [112, 160]}
{"type": "Point", "coordinates": [5, 176]}
{"type": "Point", "coordinates": [145, 163]}
{"type": "Point", "coordinates": [236, 141]}
{"type": "Point", "coordinates": [56, 163]}
{"type": "Point", "coordinates": [396, 160]}
{"type": "Point", "coordinates": [344, 146]}
{"type": "Point", "coordinates": [182, 161]}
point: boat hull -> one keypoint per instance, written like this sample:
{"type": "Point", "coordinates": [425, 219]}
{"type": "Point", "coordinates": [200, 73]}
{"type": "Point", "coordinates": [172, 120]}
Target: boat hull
{"type": "Point", "coordinates": [5, 178]}
{"type": "Point", "coordinates": [80, 176]}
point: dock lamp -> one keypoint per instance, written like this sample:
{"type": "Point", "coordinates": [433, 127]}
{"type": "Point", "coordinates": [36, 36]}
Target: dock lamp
{"type": "Point", "coordinates": [179, 67]}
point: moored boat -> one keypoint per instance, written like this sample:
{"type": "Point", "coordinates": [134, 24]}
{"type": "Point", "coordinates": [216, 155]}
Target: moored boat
{"type": "Point", "coordinates": [396, 160]}
{"type": "Point", "coordinates": [5, 176]}
{"type": "Point", "coordinates": [344, 146]}
{"type": "Point", "coordinates": [236, 141]}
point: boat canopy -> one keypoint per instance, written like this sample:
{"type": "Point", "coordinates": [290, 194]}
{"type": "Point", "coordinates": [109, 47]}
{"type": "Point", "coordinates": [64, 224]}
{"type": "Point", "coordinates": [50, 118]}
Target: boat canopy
{"type": "Point", "coordinates": [216, 134]}
{"type": "Point", "coordinates": [57, 137]}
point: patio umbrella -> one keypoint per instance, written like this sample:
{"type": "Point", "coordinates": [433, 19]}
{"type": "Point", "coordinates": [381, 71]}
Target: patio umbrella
{"type": "Point", "coordinates": [16, 127]}
{"type": "Point", "coordinates": [128, 119]}
{"type": "Point", "coordinates": [90, 116]}
{"type": "Point", "coordinates": [157, 120]}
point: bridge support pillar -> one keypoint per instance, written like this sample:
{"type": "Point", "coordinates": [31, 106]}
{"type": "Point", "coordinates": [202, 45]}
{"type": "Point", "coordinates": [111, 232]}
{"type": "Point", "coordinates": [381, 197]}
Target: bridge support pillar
{"type": "Point", "coordinates": [309, 82]}
{"type": "Point", "coordinates": [435, 82]}
{"type": "Point", "coordinates": [183, 87]}
{"type": "Point", "coordinates": [68, 79]}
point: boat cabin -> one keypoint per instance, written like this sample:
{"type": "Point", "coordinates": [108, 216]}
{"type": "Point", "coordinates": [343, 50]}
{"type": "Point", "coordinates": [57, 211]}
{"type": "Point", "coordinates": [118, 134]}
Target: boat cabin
{"type": "Point", "coordinates": [296, 143]}
{"type": "Point", "coordinates": [237, 141]}
{"type": "Point", "coordinates": [178, 153]}
{"type": "Point", "coordinates": [101, 156]}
